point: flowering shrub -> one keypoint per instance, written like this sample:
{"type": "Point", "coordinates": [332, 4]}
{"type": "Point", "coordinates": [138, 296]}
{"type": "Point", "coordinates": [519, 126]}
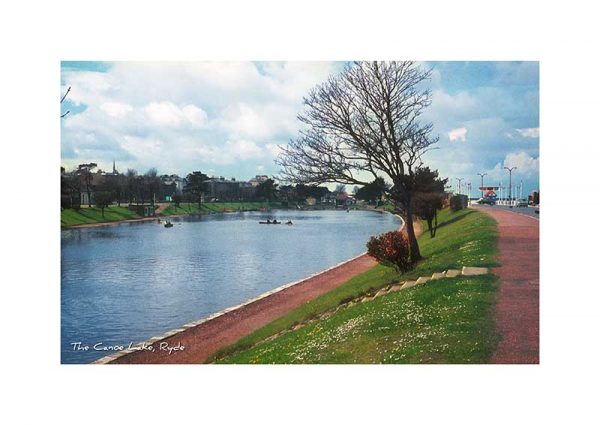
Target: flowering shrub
{"type": "Point", "coordinates": [391, 249]}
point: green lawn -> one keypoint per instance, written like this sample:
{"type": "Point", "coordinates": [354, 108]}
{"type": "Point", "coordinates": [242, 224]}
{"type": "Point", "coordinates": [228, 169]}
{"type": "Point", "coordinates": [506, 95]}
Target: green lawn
{"type": "Point", "coordinates": [183, 208]}
{"type": "Point", "coordinates": [71, 217]}
{"type": "Point", "coordinates": [448, 321]}
{"type": "Point", "coordinates": [216, 207]}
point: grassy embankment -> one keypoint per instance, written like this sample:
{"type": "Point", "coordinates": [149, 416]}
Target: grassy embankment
{"type": "Point", "coordinates": [215, 207]}
{"type": "Point", "coordinates": [71, 217]}
{"type": "Point", "coordinates": [446, 321]}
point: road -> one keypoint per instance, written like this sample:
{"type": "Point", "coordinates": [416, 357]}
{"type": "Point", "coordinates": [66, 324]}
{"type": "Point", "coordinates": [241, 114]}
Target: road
{"type": "Point", "coordinates": [521, 210]}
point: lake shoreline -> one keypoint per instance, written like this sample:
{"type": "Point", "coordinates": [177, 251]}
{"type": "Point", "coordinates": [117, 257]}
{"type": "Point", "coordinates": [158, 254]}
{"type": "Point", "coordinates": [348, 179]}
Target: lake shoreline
{"type": "Point", "coordinates": [204, 337]}
{"type": "Point", "coordinates": [160, 217]}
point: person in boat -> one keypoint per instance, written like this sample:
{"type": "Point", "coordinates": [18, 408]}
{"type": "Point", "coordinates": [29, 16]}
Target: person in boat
{"type": "Point", "coordinates": [268, 221]}
{"type": "Point", "coordinates": [289, 222]}
{"type": "Point", "coordinates": [275, 221]}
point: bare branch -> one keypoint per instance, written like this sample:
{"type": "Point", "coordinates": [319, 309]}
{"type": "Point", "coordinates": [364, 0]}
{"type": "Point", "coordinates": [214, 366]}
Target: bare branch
{"type": "Point", "coordinates": [65, 95]}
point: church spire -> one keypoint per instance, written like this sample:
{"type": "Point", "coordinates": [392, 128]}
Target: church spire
{"type": "Point", "coordinates": [114, 167]}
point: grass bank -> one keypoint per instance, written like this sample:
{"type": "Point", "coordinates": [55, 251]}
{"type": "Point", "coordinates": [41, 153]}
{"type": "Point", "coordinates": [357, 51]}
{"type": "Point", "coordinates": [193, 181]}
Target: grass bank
{"type": "Point", "coordinates": [92, 215]}
{"type": "Point", "coordinates": [217, 207]}
{"type": "Point", "coordinates": [447, 321]}
{"type": "Point", "coordinates": [70, 217]}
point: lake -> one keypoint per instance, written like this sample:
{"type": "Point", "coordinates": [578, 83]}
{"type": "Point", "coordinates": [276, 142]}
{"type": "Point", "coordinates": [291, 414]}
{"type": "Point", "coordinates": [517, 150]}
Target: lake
{"type": "Point", "coordinates": [129, 282]}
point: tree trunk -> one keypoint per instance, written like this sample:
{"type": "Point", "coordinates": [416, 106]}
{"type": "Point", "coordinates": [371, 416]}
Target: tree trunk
{"type": "Point", "coordinates": [415, 253]}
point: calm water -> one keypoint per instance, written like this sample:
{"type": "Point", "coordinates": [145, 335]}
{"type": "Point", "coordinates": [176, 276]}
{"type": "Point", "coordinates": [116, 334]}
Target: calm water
{"type": "Point", "coordinates": [127, 283]}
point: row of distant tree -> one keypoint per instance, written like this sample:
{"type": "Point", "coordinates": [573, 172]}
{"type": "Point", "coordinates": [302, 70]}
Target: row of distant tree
{"type": "Point", "coordinates": [101, 190]}
{"type": "Point", "coordinates": [136, 188]}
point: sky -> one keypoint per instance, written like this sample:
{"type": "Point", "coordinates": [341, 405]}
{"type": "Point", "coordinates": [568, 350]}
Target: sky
{"type": "Point", "coordinates": [229, 119]}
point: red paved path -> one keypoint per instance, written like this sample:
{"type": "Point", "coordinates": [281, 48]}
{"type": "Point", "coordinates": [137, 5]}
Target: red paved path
{"type": "Point", "coordinates": [517, 309]}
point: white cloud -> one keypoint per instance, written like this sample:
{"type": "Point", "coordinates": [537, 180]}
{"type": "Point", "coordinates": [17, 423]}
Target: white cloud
{"type": "Point", "coordinates": [244, 149]}
{"type": "Point", "coordinates": [525, 163]}
{"type": "Point", "coordinates": [529, 132]}
{"type": "Point", "coordinates": [116, 109]}
{"type": "Point", "coordinates": [202, 113]}
{"type": "Point", "coordinates": [458, 134]}
{"type": "Point", "coordinates": [170, 115]}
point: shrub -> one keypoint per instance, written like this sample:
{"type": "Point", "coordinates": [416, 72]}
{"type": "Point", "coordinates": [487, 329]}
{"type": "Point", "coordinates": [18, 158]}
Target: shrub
{"type": "Point", "coordinates": [458, 202]}
{"type": "Point", "coordinates": [391, 249]}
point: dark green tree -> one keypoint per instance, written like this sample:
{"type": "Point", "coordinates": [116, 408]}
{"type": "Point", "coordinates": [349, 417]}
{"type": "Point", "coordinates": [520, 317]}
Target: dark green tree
{"type": "Point", "coordinates": [267, 190]}
{"type": "Point", "coordinates": [131, 185]}
{"type": "Point", "coordinates": [372, 191]}
{"type": "Point", "coordinates": [195, 186]}
{"type": "Point", "coordinates": [102, 199]}
{"type": "Point", "coordinates": [151, 184]}
{"type": "Point", "coordinates": [177, 198]}
{"type": "Point", "coordinates": [430, 197]}
{"type": "Point", "coordinates": [70, 191]}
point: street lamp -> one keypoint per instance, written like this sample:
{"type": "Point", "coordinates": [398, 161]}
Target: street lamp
{"type": "Point", "coordinates": [521, 190]}
{"type": "Point", "coordinates": [482, 175]}
{"type": "Point", "coordinates": [510, 170]}
{"type": "Point", "coordinates": [459, 180]}
{"type": "Point", "coordinates": [469, 188]}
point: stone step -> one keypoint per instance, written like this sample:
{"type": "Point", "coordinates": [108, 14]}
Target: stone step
{"type": "Point", "coordinates": [437, 276]}
{"type": "Point", "coordinates": [381, 292]}
{"type": "Point", "coordinates": [452, 273]}
{"type": "Point", "coordinates": [474, 271]}
{"type": "Point", "coordinates": [409, 283]}
{"type": "Point", "coordinates": [422, 279]}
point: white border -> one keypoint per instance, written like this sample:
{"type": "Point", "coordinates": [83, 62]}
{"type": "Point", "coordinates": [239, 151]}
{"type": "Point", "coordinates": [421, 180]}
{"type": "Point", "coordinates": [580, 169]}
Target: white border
{"type": "Point", "coordinates": [37, 35]}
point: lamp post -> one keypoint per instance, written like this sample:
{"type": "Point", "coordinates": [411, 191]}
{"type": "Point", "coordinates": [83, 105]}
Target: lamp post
{"type": "Point", "coordinates": [510, 170]}
{"type": "Point", "coordinates": [482, 175]}
{"type": "Point", "coordinates": [459, 180]}
{"type": "Point", "coordinates": [521, 190]}
{"type": "Point", "coordinates": [469, 188]}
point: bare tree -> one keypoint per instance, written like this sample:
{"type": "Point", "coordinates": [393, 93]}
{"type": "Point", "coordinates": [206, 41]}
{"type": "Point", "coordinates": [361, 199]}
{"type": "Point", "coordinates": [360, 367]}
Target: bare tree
{"type": "Point", "coordinates": [84, 171]}
{"type": "Point", "coordinates": [152, 184]}
{"type": "Point", "coordinates": [132, 186]}
{"type": "Point", "coordinates": [62, 99]}
{"type": "Point", "coordinates": [362, 124]}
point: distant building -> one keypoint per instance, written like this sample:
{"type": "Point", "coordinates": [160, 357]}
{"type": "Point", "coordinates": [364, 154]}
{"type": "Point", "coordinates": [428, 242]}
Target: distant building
{"type": "Point", "coordinates": [170, 185]}
{"type": "Point", "coordinates": [222, 189]}
{"type": "Point", "coordinates": [534, 198]}
{"type": "Point", "coordinates": [344, 200]}
{"type": "Point", "coordinates": [247, 191]}
{"type": "Point", "coordinates": [255, 181]}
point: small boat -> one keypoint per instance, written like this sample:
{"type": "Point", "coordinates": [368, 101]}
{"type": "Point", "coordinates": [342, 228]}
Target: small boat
{"type": "Point", "coordinates": [168, 224]}
{"type": "Point", "coordinates": [269, 222]}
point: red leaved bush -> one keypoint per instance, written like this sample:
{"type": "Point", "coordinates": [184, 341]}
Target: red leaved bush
{"type": "Point", "coordinates": [391, 249]}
